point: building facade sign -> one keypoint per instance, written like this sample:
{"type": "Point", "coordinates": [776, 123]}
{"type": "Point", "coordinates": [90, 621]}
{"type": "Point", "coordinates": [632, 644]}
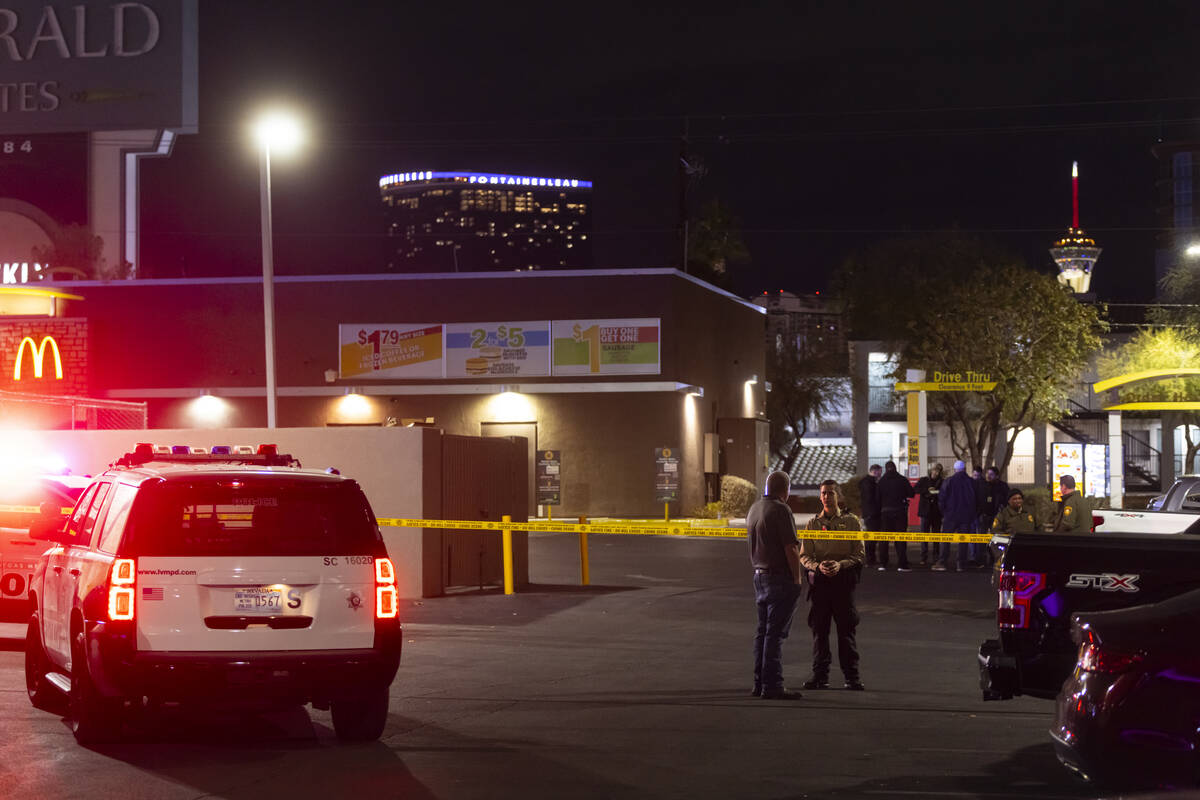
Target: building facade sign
{"type": "Point", "coordinates": [498, 349]}
{"type": "Point", "coordinates": [46, 356]}
{"type": "Point", "coordinates": [97, 66]}
{"type": "Point", "coordinates": [390, 351]}
{"type": "Point", "coordinates": [606, 347]}
{"type": "Point", "coordinates": [474, 350]}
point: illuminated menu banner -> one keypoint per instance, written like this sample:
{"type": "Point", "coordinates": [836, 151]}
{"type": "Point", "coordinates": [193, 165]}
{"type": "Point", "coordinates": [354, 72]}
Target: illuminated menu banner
{"type": "Point", "coordinates": [606, 346]}
{"type": "Point", "coordinates": [1068, 460]}
{"type": "Point", "coordinates": [497, 349]}
{"type": "Point", "coordinates": [390, 351]}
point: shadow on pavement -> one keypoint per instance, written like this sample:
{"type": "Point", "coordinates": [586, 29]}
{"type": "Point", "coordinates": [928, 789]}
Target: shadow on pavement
{"type": "Point", "coordinates": [1032, 772]}
{"type": "Point", "coordinates": [493, 607]}
{"type": "Point", "coordinates": [293, 754]}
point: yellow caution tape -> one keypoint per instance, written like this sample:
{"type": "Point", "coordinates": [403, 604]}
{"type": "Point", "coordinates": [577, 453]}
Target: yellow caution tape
{"type": "Point", "coordinates": [669, 529]}
{"type": "Point", "coordinates": [29, 510]}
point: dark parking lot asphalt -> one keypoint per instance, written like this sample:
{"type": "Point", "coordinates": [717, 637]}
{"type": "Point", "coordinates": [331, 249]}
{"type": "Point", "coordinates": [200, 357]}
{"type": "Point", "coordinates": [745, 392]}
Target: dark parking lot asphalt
{"type": "Point", "coordinates": [637, 686]}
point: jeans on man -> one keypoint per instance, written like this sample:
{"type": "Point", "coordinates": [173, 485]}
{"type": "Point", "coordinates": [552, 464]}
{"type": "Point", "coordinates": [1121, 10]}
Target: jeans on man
{"type": "Point", "coordinates": [952, 527]}
{"type": "Point", "coordinates": [894, 522]}
{"type": "Point", "coordinates": [776, 594]}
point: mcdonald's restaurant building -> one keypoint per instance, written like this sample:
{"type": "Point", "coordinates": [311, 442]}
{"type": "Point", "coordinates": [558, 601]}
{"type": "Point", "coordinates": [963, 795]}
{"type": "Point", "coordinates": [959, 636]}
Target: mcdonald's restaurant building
{"type": "Point", "coordinates": [607, 367]}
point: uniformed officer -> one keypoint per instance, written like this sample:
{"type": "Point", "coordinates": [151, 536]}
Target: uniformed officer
{"type": "Point", "coordinates": [1013, 517]}
{"type": "Point", "coordinates": [1072, 516]}
{"type": "Point", "coordinates": [834, 567]}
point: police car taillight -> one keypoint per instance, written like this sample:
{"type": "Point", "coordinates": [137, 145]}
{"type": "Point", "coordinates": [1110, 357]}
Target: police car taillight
{"type": "Point", "coordinates": [121, 580]}
{"type": "Point", "coordinates": [386, 605]}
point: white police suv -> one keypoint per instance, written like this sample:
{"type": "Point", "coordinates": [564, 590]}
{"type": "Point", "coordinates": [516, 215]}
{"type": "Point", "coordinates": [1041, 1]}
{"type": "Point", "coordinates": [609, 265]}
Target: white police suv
{"type": "Point", "coordinates": [232, 579]}
{"type": "Point", "coordinates": [21, 497]}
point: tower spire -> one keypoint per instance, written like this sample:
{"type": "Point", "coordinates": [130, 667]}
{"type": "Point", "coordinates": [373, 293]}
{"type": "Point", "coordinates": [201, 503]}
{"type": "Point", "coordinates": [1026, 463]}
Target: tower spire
{"type": "Point", "coordinates": [1076, 253]}
{"type": "Point", "coordinates": [1075, 194]}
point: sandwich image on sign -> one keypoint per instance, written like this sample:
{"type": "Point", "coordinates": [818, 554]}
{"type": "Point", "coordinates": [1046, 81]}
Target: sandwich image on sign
{"type": "Point", "coordinates": [490, 352]}
{"type": "Point", "coordinates": [477, 366]}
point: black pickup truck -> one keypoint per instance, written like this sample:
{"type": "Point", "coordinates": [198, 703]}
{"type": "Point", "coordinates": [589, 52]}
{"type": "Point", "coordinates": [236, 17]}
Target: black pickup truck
{"type": "Point", "coordinates": [1043, 578]}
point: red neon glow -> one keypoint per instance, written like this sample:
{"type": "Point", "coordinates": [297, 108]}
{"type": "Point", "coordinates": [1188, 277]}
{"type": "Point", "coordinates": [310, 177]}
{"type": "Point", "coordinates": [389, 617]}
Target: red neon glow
{"type": "Point", "coordinates": [1075, 195]}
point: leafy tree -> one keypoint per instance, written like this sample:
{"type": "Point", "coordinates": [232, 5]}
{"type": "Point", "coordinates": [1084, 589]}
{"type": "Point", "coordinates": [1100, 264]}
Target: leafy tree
{"type": "Point", "coordinates": [802, 390]}
{"type": "Point", "coordinates": [1160, 348]}
{"type": "Point", "coordinates": [715, 245]}
{"type": "Point", "coordinates": [74, 250]}
{"type": "Point", "coordinates": [953, 304]}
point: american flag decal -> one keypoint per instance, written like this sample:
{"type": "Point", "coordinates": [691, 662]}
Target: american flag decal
{"type": "Point", "coordinates": [152, 593]}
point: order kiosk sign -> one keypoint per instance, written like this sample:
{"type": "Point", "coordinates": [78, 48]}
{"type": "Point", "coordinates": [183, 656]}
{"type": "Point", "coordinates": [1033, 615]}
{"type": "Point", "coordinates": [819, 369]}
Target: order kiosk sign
{"type": "Point", "coordinates": [549, 478]}
{"type": "Point", "coordinates": [666, 479]}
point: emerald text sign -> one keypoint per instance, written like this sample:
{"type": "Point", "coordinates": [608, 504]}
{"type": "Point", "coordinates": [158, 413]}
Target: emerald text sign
{"type": "Point", "coordinates": [97, 66]}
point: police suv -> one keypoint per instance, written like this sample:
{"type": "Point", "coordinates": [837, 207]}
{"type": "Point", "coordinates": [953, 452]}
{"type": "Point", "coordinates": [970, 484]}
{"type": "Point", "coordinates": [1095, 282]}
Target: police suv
{"type": "Point", "coordinates": [232, 578]}
{"type": "Point", "coordinates": [21, 497]}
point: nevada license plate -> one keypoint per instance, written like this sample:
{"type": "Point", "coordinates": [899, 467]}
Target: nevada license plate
{"type": "Point", "coordinates": [258, 601]}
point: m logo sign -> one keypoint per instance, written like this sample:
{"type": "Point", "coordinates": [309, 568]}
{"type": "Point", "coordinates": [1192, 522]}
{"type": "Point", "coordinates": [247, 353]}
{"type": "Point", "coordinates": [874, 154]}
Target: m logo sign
{"type": "Point", "coordinates": [38, 353]}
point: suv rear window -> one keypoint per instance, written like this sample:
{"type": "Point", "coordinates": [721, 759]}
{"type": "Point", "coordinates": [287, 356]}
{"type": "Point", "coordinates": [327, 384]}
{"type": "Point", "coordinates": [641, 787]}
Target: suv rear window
{"type": "Point", "coordinates": [247, 516]}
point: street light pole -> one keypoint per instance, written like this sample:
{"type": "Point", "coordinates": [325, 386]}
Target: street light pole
{"type": "Point", "coordinates": [268, 267]}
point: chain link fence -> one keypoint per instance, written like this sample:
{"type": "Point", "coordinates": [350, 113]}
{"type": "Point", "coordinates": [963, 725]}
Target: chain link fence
{"type": "Point", "coordinates": [50, 412]}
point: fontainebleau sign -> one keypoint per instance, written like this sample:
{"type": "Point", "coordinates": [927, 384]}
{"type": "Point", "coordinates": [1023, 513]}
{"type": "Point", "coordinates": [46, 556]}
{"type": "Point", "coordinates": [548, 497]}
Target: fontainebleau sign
{"type": "Point", "coordinates": [97, 66]}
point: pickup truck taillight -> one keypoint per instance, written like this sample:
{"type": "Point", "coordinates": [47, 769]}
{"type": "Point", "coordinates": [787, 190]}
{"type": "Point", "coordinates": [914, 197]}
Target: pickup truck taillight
{"type": "Point", "coordinates": [121, 579]}
{"type": "Point", "coordinates": [1016, 597]}
{"type": "Point", "coordinates": [1097, 521]}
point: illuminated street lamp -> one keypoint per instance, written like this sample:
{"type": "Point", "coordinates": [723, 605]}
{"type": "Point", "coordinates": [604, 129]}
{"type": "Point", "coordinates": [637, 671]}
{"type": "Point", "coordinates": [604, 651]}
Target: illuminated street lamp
{"type": "Point", "coordinates": [1192, 251]}
{"type": "Point", "coordinates": [275, 132]}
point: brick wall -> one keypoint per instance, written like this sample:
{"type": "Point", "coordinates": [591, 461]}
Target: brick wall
{"type": "Point", "coordinates": [71, 336]}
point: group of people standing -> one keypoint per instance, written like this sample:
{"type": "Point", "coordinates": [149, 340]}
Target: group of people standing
{"type": "Point", "coordinates": [831, 567]}
{"type": "Point", "coordinates": [961, 503]}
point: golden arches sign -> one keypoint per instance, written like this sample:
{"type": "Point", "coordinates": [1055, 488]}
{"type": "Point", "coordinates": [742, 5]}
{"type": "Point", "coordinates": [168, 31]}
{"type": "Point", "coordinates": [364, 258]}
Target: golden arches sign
{"type": "Point", "coordinates": [38, 352]}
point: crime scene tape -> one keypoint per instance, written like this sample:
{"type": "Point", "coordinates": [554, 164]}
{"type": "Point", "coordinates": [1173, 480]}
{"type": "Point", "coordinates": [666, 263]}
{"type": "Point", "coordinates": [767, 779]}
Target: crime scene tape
{"type": "Point", "coordinates": [4, 509]}
{"type": "Point", "coordinates": [667, 529]}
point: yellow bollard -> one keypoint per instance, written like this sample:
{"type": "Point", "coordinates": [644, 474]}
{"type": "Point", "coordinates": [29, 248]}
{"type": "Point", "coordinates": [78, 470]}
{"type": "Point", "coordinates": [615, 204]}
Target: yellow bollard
{"type": "Point", "coordinates": [549, 513]}
{"type": "Point", "coordinates": [585, 575]}
{"type": "Point", "coordinates": [666, 512]}
{"type": "Point", "coordinates": [506, 536]}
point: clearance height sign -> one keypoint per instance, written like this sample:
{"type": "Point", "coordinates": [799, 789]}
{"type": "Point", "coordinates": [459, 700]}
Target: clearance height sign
{"type": "Point", "coordinates": [508, 349]}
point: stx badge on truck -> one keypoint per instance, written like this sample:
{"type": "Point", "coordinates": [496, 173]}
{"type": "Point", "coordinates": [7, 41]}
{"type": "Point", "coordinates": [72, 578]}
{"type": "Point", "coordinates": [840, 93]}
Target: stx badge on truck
{"type": "Point", "coordinates": [1106, 582]}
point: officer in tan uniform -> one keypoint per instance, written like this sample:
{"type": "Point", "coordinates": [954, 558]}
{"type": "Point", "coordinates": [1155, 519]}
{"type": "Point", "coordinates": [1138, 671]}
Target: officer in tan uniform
{"type": "Point", "coordinates": [1073, 515]}
{"type": "Point", "coordinates": [1014, 517]}
{"type": "Point", "coordinates": [834, 567]}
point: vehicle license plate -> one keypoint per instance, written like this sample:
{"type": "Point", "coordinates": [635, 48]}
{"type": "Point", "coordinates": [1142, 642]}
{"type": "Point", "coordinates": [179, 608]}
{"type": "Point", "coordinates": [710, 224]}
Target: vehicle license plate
{"type": "Point", "coordinates": [258, 601]}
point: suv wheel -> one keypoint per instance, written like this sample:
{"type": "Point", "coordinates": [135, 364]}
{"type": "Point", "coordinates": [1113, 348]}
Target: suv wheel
{"type": "Point", "coordinates": [94, 718]}
{"type": "Point", "coordinates": [42, 693]}
{"type": "Point", "coordinates": [361, 718]}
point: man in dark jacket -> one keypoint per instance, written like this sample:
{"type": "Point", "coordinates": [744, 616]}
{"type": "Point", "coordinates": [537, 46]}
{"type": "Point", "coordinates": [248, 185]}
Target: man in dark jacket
{"type": "Point", "coordinates": [868, 493]}
{"type": "Point", "coordinates": [775, 557]}
{"type": "Point", "coordinates": [995, 497]}
{"type": "Point", "coordinates": [960, 513]}
{"type": "Point", "coordinates": [928, 508]}
{"type": "Point", "coordinates": [894, 491]}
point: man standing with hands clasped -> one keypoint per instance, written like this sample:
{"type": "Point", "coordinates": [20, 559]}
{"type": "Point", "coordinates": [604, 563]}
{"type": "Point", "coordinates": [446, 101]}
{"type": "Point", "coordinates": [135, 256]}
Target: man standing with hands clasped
{"type": "Point", "coordinates": [834, 566]}
{"type": "Point", "coordinates": [775, 556]}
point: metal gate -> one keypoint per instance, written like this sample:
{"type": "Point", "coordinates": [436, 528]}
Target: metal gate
{"type": "Point", "coordinates": [484, 479]}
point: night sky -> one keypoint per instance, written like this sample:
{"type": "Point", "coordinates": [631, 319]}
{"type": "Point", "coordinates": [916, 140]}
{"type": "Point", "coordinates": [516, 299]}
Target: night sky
{"type": "Point", "coordinates": [824, 126]}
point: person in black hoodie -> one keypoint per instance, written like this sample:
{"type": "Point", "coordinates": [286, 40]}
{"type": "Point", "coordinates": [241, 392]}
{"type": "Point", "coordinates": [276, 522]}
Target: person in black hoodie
{"type": "Point", "coordinates": [894, 491]}
{"type": "Point", "coordinates": [868, 493]}
{"type": "Point", "coordinates": [928, 508]}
